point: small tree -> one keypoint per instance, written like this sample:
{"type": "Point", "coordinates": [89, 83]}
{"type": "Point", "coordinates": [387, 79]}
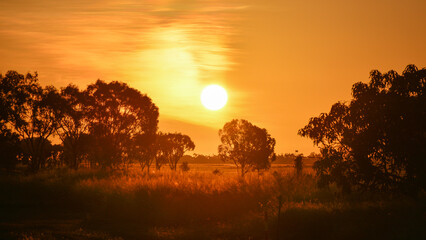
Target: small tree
{"type": "Point", "coordinates": [171, 147]}
{"type": "Point", "coordinates": [248, 146]}
{"type": "Point", "coordinates": [184, 167]}
{"type": "Point", "coordinates": [298, 164]}
{"type": "Point", "coordinates": [144, 150]}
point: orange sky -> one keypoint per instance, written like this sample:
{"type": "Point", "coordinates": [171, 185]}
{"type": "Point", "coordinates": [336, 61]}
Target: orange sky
{"type": "Point", "coordinates": [281, 62]}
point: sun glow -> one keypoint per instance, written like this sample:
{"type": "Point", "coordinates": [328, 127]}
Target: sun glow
{"type": "Point", "coordinates": [214, 97]}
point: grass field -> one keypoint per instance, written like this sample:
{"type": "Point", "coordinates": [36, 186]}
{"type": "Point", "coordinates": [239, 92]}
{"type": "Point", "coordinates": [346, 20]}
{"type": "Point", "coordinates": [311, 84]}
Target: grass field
{"type": "Point", "coordinates": [198, 204]}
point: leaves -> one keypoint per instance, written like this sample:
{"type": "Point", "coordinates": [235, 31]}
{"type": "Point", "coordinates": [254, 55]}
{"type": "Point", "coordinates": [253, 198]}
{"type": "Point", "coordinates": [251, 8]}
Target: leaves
{"type": "Point", "coordinates": [248, 146]}
{"type": "Point", "coordinates": [171, 147]}
{"type": "Point", "coordinates": [378, 140]}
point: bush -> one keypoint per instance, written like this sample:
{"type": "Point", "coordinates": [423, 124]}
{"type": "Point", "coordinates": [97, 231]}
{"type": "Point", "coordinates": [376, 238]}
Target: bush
{"type": "Point", "coordinates": [217, 172]}
{"type": "Point", "coordinates": [298, 164]}
{"type": "Point", "coordinates": [184, 167]}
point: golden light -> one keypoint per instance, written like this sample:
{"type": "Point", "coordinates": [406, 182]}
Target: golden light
{"type": "Point", "coordinates": [214, 97]}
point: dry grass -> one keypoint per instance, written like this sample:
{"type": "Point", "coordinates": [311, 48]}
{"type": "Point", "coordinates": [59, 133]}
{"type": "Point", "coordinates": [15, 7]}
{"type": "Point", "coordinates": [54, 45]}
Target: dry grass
{"type": "Point", "coordinates": [190, 205]}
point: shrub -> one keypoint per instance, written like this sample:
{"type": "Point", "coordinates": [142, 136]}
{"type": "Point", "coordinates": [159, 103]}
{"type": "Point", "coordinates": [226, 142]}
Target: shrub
{"type": "Point", "coordinates": [298, 164]}
{"type": "Point", "coordinates": [217, 172]}
{"type": "Point", "coordinates": [184, 167]}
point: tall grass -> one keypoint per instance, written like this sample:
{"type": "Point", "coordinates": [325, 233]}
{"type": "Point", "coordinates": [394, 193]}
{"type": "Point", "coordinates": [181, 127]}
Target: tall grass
{"type": "Point", "coordinates": [197, 204]}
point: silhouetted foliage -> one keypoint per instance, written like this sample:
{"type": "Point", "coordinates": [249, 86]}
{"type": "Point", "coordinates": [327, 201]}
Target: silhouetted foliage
{"type": "Point", "coordinates": [171, 147]}
{"type": "Point", "coordinates": [15, 91]}
{"type": "Point", "coordinates": [248, 146]}
{"type": "Point", "coordinates": [49, 155]}
{"type": "Point", "coordinates": [217, 172]}
{"type": "Point", "coordinates": [9, 149]}
{"type": "Point", "coordinates": [108, 124]}
{"type": "Point", "coordinates": [117, 113]}
{"type": "Point", "coordinates": [144, 149]}
{"type": "Point", "coordinates": [377, 141]}
{"type": "Point", "coordinates": [73, 126]}
{"type": "Point", "coordinates": [33, 113]}
{"type": "Point", "coordinates": [184, 167]}
{"type": "Point", "coordinates": [76, 150]}
{"type": "Point", "coordinates": [55, 156]}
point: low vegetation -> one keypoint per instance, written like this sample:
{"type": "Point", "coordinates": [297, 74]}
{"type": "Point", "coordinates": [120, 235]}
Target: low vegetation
{"type": "Point", "coordinates": [197, 204]}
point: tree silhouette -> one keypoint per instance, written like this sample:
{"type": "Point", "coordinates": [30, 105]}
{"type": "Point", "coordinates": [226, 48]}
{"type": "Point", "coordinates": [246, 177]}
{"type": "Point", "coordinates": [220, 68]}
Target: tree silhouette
{"type": "Point", "coordinates": [171, 147]}
{"type": "Point", "coordinates": [248, 146]}
{"type": "Point", "coordinates": [14, 93]}
{"type": "Point", "coordinates": [377, 141]}
{"type": "Point", "coordinates": [117, 113]}
{"type": "Point", "coordinates": [32, 112]}
{"type": "Point", "coordinates": [108, 124]}
{"type": "Point", "coordinates": [73, 126]}
{"type": "Point", "coordinates": [144, 149]}
{"type": "Point", "coordinates": [9, 148]}
{"type": "Point", "coordinates": [298, 164]}
{"type": "Point", "coordinates": [9, 141]}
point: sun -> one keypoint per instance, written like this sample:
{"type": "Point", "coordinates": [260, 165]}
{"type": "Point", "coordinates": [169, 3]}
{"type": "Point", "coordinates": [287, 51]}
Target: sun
{"type": "Point", "coordinates": [214, 97]}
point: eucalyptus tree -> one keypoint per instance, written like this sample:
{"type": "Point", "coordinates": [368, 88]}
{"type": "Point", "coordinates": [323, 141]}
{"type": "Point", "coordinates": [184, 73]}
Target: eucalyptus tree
{"type": "Point", "coordinates": [116, 114]}
{"type": "Point", "coordinates": [248, 146]}
{"type": "Point", "coordinates": [377, 140]}
{"type": "Point", "coordinates": [73, 126]}
{"type": "Point", "coordinates": [144, 150]}
{"type": "Point", "coordinates": [31, 112]}
{"type": "Point", "coordinates": [171, 147]}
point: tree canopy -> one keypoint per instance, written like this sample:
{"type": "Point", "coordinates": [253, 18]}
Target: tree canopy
{"type": "Point", "coordinates": [171, 147]}
{"type": "Point", "coordinates": [102, 124]}
{"type": "Point", "coordinates": [248, 146]}
{"type": "Point", "coordinates": [30, 112]}
{"type": "Point", "coordinates": [377, 140]}
{"type": "Point", "coordinates": [117, 113]}
{"type": "Point", "coordinates": [73, 126]}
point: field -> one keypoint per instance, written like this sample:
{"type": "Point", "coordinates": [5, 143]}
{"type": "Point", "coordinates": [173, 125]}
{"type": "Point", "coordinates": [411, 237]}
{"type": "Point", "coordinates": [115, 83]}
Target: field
{"type": "Point", "coordinates": [210, 201]}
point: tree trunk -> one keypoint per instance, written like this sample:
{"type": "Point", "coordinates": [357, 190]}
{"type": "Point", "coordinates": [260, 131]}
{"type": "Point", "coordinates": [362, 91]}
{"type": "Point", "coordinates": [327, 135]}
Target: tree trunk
{"type": "Point", "coordinates": [243, 172]}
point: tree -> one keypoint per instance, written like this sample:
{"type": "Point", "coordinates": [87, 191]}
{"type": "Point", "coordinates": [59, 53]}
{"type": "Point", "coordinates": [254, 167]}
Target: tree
{"type": "Point", "coordinates": [55, 158]}
{"type": "Point", "coordinates": [144, 150]}
{"type": "Point", "coordinates": [32, 112]}
{"type": "Point", "coordinates": [171, 147]}
{"type": "Point", "coordinates": [15, 91]}
{"type": "Point", "coordinates": [117, 113]}
{"type": "Point", "coordinates": [298, 164]}
{"type": "Point", "coordinates": [73, 126]}
{"type": "Point", "coordinates": [9, 149]}
{"type": "Point", "coordinates": [161, 150]}
{"type": "Point", "coordinates": [377, 141]}
{"type": "Point", "coordinates": [76, 150]}
{"type": "Point", "coordinates": [184, 167]}
{"type": "Point", "coordinates": [248, 146]}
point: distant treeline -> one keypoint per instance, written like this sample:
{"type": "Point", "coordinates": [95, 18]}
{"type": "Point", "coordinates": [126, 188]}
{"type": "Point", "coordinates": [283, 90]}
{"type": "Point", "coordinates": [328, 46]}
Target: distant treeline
{"type": "Point", "coordinates": [287, 158]}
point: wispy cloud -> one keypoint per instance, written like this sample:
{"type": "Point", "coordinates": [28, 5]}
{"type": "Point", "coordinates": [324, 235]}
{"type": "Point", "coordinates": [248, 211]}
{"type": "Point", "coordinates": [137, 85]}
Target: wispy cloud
{"type": "Point", "coordinates": [169, 49]}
